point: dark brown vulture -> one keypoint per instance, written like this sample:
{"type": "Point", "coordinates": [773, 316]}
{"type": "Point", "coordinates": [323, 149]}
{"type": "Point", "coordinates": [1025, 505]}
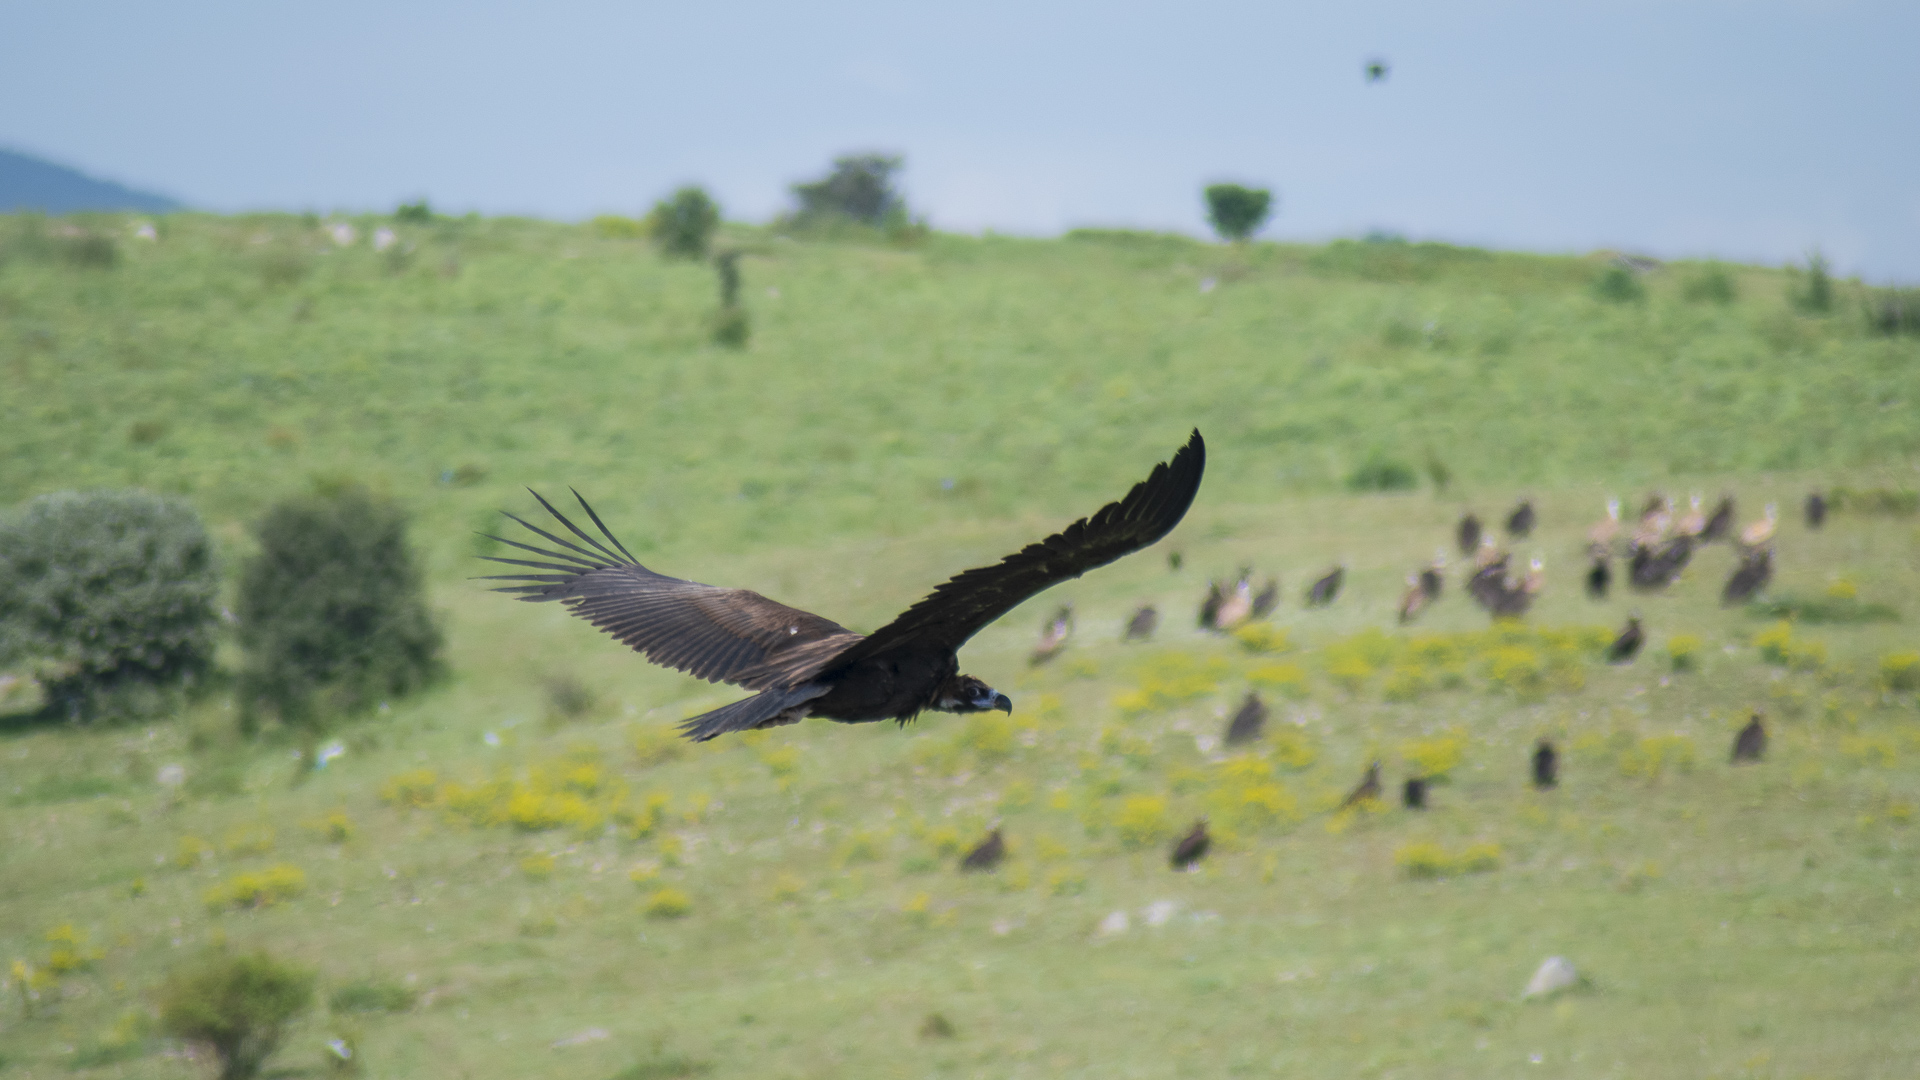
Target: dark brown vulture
{"type": "Point", "coordinates": [1467, 534]}
{"type": "Point", "coordinates": [1368, 788]}
{"type": "Point", "coordinates": [1752, 575]}
{"type": "Point", "coordinates": [1650, 570]}
{"type": "Point", "coordinates": [1431, 579]}
{"type": "Point", "coordinates": [1053, 636]}
{"type": "Point", "coordinates": [1142, 625]}
{"type": "Point", "coordinates": [1325, 590]}
{"type": "Point", "coordinates": [1627, 645]}
{"type": "Point", "coordinates": [1413, 795]}
{"type": "Point", "coordinates": [1249, 722]}
{"type": "Point", "coordinates": [1210, 607]}
{"type": "Point", "coordinates": [1192, 847]}
{"type": "Point", "coordinates": [1720, 524]}
{"type": "Point", "coordinates": [1266, 598]}
{"type": "Point", "coordinates": [1520, 523]}
{"type": "Point", "coordinates": [1751, 743]}
{"type": "Point", "coordinates": [1546, 765]}
{"type": "Point", "coordinates": [1599, 576]}
{"type": "Point", "coordinates": [1816, 510]}
{"type": "Point", "coordinates": [986, 855]}
{"type": "Point", "coordinates": [802, 665]}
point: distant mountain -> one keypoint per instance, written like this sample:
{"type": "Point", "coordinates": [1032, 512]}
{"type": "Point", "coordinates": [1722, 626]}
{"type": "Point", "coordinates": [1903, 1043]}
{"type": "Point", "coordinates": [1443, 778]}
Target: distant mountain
{"type": "Point", "coordinates": [28, 183]}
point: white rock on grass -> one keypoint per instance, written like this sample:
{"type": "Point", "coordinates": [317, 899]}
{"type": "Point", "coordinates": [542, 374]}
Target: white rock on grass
{"type": "Point", "coordinates": [1158, 912]}
{"type": "Point", "coordinates": [171, 775]}
{"type": "Point", "coordinates": [1114, 924]}
{"type": "Point", "coordinates": [1556, 973]}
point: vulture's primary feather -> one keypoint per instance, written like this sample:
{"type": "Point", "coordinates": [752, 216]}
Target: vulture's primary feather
{"type": "Point", "coordinates": [804, 665]}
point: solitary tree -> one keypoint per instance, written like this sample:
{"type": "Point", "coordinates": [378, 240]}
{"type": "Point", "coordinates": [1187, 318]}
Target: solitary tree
{"type": "Point", "coordinates": [1237, 212]}
{"type": "Point", "coordinates": [114, 590]}
{"type": "Point", "coordinates": [860, 187]}
{"type": "Point", "coordinates": [683, 225]}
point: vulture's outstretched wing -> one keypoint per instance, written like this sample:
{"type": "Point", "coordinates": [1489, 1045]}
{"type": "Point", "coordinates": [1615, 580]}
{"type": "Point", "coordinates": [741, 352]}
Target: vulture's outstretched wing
{"type": "Point", "coordinates": [969, 601]}
{"type": "Point", "coordinates": [721, 635]}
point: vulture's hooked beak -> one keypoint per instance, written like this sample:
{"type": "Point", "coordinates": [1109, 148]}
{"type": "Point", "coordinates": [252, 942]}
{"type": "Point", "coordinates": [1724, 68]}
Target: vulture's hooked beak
{"type": "Point", "coordinates": [993, 699]}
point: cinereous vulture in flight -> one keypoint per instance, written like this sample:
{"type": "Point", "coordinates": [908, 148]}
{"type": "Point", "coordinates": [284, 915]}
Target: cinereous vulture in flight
{"type": "Point", "coordinates": [800, 664]}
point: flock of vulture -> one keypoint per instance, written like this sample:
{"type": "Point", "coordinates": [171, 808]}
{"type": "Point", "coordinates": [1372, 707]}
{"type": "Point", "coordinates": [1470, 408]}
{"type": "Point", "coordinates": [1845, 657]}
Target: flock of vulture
{"type": "Point", "coordinates": [1654, 552]}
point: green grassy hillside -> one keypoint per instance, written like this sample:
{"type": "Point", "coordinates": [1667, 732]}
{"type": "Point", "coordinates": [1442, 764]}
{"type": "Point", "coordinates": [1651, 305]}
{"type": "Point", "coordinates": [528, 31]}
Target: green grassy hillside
{"type": "Point", "coordinates": [582, 896]}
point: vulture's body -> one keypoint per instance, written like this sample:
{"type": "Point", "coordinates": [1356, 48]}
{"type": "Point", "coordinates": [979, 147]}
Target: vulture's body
{"type": "Point", "coordinates": [1141, 626]}
{"type": "Point", "coordinates": [1627, 645]}
{"type": "Point", "coordinates": [1368, 788]}
{"type": "Point", "coordinates": [803, 665]}
{"type": "Point", "coordinates": [1752, 575]}
{"type": "Point", "coordinates": [1192, 847]}
{"type": "Point", "coordinates": [1546, 765]}
{"type": "Point", "coordinates": [986, 855]}
{"type": "Point", "coordinates": [1248, 723]}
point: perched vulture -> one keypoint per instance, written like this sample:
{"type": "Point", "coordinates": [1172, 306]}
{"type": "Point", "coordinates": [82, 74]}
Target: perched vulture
{"type": "Point", "coordinates": [1512, 601]}
{"type": "Point", "coordinates": [1467, 534]}
{"type": "Point", "coordinates": [1210, 607]}
{"type": "Point", "coordinates": [986, 855]}
{"type": "Point", "coordinates": [1431, 579]}
{"type": "Point", "coordinates": [1816, 510]}
{"type": "Point", "coordinates": [1235, 607]}
{"type": "Point", "coordinates": [800, 664]}
{"type": "Point", "coordinates": [1413, 795]}
{"type": "Point", "coordinates": [1327, 588]}
{"type": "Point", "coordinates": [1599, 576]}
{"type": "Point", "coordinates": [1720, 524]}
{"type": "Point", "coordinates": [1369, 788]}
{"type": "Point", "coordinates": [1546, 765]}
{"type": "Point", "coordinates": [1694, 521]}
{"type": "Point", "coordinates": [1651, 569]}
{"type": "Point", "coordinates": [1627, 645]}
{"type": "Point", "coordinates": [1249, 722]}
{"type": "Point", "coordinates": [1520, 523]}
{"type": "Point", "coordinates": [1751, 743]}
{"type": "Point", "coordinates": [1600, 537]}
{"type": "Point", "coordinates": [1266, 598]}
{"type": "Point", "coordinates": [1758, 533]}
{"type": "Point", "coordinates": [1142, 625]}
{"type": "Point", "coordinates": [1489, 583]}
{"type": "Point", "coordinates": [1413, 601]}
{"type": "Point", "coordinates": [1655, 506]}
{"type": "Point", "coordinates": [1192, 847]}
{"type": "Point", "coordinates": [1752, 575]}
{"type": "Point", "coordinates": [1053, 636]}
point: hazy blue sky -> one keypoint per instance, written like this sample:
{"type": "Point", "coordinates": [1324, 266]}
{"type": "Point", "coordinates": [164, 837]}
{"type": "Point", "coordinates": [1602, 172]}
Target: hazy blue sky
{"type": "Point", "coordinates": [1752, 130]}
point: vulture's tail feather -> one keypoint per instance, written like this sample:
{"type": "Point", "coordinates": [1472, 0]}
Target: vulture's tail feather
{"type": "Point", "coordinates": [750, 713]}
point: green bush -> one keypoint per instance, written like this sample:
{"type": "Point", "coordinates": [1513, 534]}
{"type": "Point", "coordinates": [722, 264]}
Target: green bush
{"type": "Point", "coordinates": [1893, 311]}
{"type": "Point", "coordinates": [1712, 285]}
{"type": "Point", "coordinates": [414, 213]}
{"type": "Point", "coordinates": [1382, 473]}
{"type": "Point", "coordinates": [332, 610]}
{"type": "Point", "coordinates": [114, 591]}
{"type": "Point", "coordinates": [1813, 292]}
{"type": "Point", "coordinates": [859, 189]}
{"type": "Point", "coordinates": [1237, 212]}
{"type": "Point", "coordinates": [1619, 285]}
{"type": "Point", "coordinates": [683, 225]}
{"type": "Point", "coordinates": [239, 1005]}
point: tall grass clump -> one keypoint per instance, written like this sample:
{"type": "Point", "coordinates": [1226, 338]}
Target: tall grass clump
{"type": "Point", "coordinates": [333, 610]}
{"type": "Point", "coordinates": [112, 592]}
{"type": "Point", "coordinates": [239, 1006]}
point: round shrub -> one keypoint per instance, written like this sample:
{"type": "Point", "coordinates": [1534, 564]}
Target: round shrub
{"type": "Point", "coordinates": [1237, 212]}
{"type": "Point", "coordinates": [683, 225]}
{"type": "Point", "coordinates": [332, 610]}
{"type": "Point", "coordinates": [239, 1006]}
{"type": "Point", "coordinates": [113, 591]}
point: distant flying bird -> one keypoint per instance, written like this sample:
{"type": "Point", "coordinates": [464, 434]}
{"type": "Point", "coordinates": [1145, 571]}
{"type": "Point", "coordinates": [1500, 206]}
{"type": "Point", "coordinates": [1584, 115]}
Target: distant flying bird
{"type": "Point", "coordinates": [1752, 575]}
{"type": "Point", "coordinates": [1368, 788]}
{"type": "Point", "coordinates": [1816, 510]}
{"type": "Point", "coordinates": [1327, 588]}
{"type": "Point", "coordinates": [1413, 795]}
{"type": "Point", "coordinates": [1546, 765]}
{"type": "Point", "coordinates": [1414, 600]}
{"type": "Point", "coordinates": [1751, 743]}
{"type": "Point", "coordinates": [1142, 625]}
{"type": "Point", "coordinates": [1599, 576]}
{"type": "Point", "coordinates": [1053, 636]}
{"type": "Point", "coordinates": [1192, 847]}
{"type": "Point", "coordinates": [1520, 523]}
{"type": "Point", "coordinates": [1467, 534]}
{"type": "Point", "coordinates": [1266, 598]}
{"type": "Point", "coordinates": [986, 855]}
{"type": "Point", "coordinates": [1627, 645]}
{"type": "Point", "coordinates": [1248, 723]}
{"type": "Point", "coordinates": [1377, 71]}
{"type": "Point", "coordinates": [1761, 531]}
{"type": "Point", "coordinates": [802, 665]}
{"type": "Point", "coordinates": [1720, 523]}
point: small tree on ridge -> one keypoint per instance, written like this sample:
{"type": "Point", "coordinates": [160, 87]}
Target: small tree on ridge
{"type": "Point", "coordinates": [1237, 212]}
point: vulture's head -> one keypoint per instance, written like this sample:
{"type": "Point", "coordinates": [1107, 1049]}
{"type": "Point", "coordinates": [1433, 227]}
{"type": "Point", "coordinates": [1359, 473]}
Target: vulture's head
{"type": "Point", "coordinates": [964, 693]}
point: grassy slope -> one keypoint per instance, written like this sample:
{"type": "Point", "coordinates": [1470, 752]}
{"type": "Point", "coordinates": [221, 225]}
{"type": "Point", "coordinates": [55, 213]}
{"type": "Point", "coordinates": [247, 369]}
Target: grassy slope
{"type": "Point", "coordinates": [1734, 922]}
